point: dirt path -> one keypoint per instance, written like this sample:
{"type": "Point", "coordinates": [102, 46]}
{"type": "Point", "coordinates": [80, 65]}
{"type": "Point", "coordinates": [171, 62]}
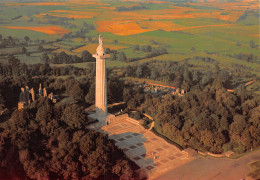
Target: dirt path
{"type": "Point", "coordinates": [213, 169]}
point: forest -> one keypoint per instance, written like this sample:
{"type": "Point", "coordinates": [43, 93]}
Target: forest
{"type": "Point", "coordinates": [53, 143]}
{"type": "Point", "coordinates": [207, 117]}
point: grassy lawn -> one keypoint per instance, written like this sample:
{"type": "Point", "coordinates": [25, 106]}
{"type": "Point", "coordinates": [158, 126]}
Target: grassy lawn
{"type": "Point", "coordinates": [34, 58]}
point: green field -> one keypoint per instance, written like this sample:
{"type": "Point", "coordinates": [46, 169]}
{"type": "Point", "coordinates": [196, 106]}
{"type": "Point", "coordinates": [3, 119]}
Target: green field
{"type": "Point", "coordinates": [185, 31]}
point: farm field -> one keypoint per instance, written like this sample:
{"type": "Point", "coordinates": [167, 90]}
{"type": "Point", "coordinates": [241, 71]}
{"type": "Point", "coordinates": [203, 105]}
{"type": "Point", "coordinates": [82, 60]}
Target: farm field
{"type": "Point", "coordinates": [185, 30]}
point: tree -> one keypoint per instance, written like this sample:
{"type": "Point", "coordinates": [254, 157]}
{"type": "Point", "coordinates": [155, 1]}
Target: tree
{"type": "Point", "coordinates": [12, 60]}
{"type": "Point", "coordinates": [87, 57]}
{"type": "Point", "coordinates": [122, 56]}
{"type": "Point", "coordinates": [185, 86]}
{"type": "Point", "coordinates": [44, 69]}
{"type": "Point", "coordinates": [2, 103]}
{"type": "Point", "coordinates": [89, 38]}
{"type": "Point", "coordinates": [238, 125]}
{"type": "Point", "coordinates": [43, 41]}
{"type": "Point", "coordinates": [107, 51]}
{"type": "Point", "coordinates": [115, 41]}
{"type": "Point", "coordinates": [142, 71]}
{"type": "Point", "coordinates": [217, 83]}
{"type": "Point", "coordinates": [27, 39]}
{"type": "Point", "coordinates": [45, 58]}
{"type": "Point", "coordinates": [40, 48]}
{"type": "Point", "coordinates": [136, 48]}
{"type": "Point", "coordinates": [193, 49]}
{"type": "Point", "coordinates": [90, 97]}
{"type": "Point", "coordinates": [146, 48]}
{"type": "Point", "coordinates": [24, 50]}
{"type": "Point", "coordinates": [252, 44]}
{"type": "Point", "coordinates": [206, 78]}
{"type": "Point", "coordinates": [217, 69]}
{"type": "Point", "coordinates": [77, 93]}
{"type": "Point", "coordinates": [114, 90]}
{"type": "Point", "coordinates": [113, 56]}
{"type": "Point", "coordinates": [1, 36]}
{"type": "Point", "coordinates": [123, 169]}
{"type": "Point", "coordinates": [195, 76]}
{"type": "Point", "coordinates": [155, 73]}
{"type": "Point", "coordinates": [74, 116]}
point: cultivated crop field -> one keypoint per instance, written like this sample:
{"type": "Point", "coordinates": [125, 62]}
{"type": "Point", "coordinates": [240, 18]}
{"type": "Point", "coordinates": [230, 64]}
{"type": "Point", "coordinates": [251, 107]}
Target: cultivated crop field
{"type": "Point", "coordinates": [184, 29]}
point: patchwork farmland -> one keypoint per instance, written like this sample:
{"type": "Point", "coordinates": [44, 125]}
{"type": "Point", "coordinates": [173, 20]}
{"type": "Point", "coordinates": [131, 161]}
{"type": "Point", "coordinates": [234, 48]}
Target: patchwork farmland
{"type": "Point", "coordinates": [184, 29]}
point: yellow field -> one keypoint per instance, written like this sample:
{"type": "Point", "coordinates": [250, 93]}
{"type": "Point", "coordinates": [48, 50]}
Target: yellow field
{"type": "Point", "coordinates": [137, 22]}
{"type": "Point", "coordinates": [69, 14]}
{"type": "Point", "coordinates": [51, 30]}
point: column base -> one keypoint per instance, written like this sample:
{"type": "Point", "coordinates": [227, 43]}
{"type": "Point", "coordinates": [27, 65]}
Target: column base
{"type": "Point", "coordinates": [100, 112]}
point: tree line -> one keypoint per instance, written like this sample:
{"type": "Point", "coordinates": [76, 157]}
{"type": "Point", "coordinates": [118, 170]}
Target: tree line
{"type": "Point", "coordinates": [64, 58]}
{"type": "Point", "coordinates": [131, 8]}
{"type": "Point", "coordinates": [151, 52]}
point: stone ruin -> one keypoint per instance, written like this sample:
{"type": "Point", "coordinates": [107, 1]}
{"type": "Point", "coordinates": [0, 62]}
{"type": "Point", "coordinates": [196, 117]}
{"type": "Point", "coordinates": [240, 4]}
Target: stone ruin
{"type": "Point", "coordinates": [28, 95]}
{"type": "Point", "coordinates": [179, 92]}
{"type": "Point", "coordinates": [161, 88]}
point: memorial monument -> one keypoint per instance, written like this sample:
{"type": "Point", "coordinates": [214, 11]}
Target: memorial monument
{"type": "Point", "coordinates": [101, 83]}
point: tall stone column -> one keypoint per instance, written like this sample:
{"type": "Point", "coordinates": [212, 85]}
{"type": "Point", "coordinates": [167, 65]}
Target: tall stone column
{"type": "Point", "coordinates": [101, 80]}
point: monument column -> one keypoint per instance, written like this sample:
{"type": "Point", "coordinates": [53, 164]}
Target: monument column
{"type": "Point", "coordinates": [101, 80]}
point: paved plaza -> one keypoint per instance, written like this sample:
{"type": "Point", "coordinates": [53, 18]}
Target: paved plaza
{"type": "Point", "coordinates": [151, 153]}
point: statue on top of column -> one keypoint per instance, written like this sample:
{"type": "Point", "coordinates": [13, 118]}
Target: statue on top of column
{"type": "Point", "coordinates": [100, 48]}
{"type": "Point", "coordinates": [100, 39]}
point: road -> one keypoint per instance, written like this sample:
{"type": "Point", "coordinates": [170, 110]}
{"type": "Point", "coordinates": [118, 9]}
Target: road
{"type": "Point", "coordinates": [208, 168]}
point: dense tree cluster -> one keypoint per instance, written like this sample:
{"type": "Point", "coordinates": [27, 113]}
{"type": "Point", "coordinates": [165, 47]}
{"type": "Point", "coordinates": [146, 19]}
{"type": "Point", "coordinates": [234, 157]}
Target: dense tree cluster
{"type": "Point", "coordinates": [48, 19]}
{"type": "Point", "coordinates": [53, 143]}
{"type": "Point", "coordinates": [9, 94]}
{"type": "Point", "coordinates": [64, 58]}
{"type": "Point", "coordinates": [175, 74]}
{"type": "Point", "coordinates": [84, 29]}
{"type": "Point", "coordinates": [210, 120]}
{"type": "Point", "coordinates": [8, 41]}
{"type": "Point", "coordinates": [205, 59]}
{"type": "Point", "coordinates": [151, 52]}
{"type": "Point", "coordinates": [207, 117]}
{"type": "Point", "coordinates": [247, 14]}
{"type": "Point", "coordinates": [247, 57]}
{"type": "Point", "coordinates": [15, 75]}
{"type": "Point", "coordinates": [133, 95]}
{"type": "Point", "coordinates": [15, 68]}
